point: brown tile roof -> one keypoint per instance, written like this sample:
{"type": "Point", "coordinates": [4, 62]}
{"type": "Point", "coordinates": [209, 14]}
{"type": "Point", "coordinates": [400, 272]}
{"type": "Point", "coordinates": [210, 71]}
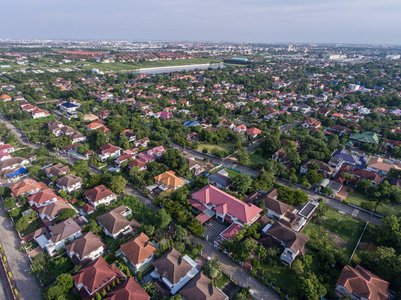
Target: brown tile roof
{"type": "Point", "coordinates": [128, 290]}
{"type": "Point", "coordinates": [98, 193]}
{"type": "Point", "coordinates": [54, 208]}
{"type": "Point", "coordinates": [363, 283]}
{"type": "Point", "coordinates": [172, 266]}
{"type": "Point", "coordinates": [138, 249]}
{"type": "Point", "coordinates": [64, 230]}
{"type": "Point", "coordinates": [275, 205]}
{"type": "Point", "coordinates": [113, 220]}
{"type": "Point", "coordinates": [95, 275]}
{"type": "Point", "coordinates": [85, 245]}
{"type": "Point", "coordinates": [68, 180]}
{"type": "Point", "coordinates": [294, 240]}
{"type": "Point", "coordinates": [57, 170]}
{"type": "Point", "coordinates": [200, 288]}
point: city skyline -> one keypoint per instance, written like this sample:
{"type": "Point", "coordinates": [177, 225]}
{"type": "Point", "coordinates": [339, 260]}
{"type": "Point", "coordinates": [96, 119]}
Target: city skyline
{"type": "Point", "coordinates": [356, 21]}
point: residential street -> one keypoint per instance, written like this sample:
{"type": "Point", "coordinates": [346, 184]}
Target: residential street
{"type": "Point", "coordinates": [237, 274]}
{"type": "Point", "coordinates": [19, 264]}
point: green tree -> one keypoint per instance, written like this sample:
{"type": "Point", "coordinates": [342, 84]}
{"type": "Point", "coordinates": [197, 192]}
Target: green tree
{"type": "Point", "coordinates": [264, 181]}
{"type": "Point", "coordinates": [54, 292]}
{"type": "Point", "coordinates": [117, 184]}
{"type": "Point", "coordinates": [313, 176]}
{"type": "Point", "coordinates": [242, 182]}
{"type": "Point", "coordinates": [34, 170]}
{"type": "Point", "coordinates": [80, 167]}
{"type": "Point", "coordinates": [242, 156]}
{"type": "Point", "coordinates": [163, 218]}
{"type": "Point", "coordinates": [180, 232]}
{"type": "Point", "coordinates": [298, 266]}
{"type": "Point", "coordinates": [66, 213]}
{"type": "Point", "coordinates": [22, 223]}
{"type": "Point", "coordinates": [65, 282]}
{"type": "Point", "coordinates": [311, 288]}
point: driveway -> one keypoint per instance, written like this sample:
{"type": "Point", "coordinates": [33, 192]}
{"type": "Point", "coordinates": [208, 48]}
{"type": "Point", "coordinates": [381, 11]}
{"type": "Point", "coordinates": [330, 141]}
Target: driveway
{"type": "Point", "coordinates": [236, 273]}
{"type": "Point", "coordinates": [19, 264]}
{"type": "Point", "coordinates": [213, 228]}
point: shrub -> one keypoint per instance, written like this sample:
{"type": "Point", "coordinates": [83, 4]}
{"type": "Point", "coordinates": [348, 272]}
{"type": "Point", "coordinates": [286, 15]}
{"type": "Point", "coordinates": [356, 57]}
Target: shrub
{"type": "Point", "coordinates": [253, 272]}
{"type": "Point", "coordinates": [255, 263]}
{"type": "Point", "coordinates": [4, 259]}
{"type": "Point", "coordinates": [139, 275]}
{"type": "Point", "coordinates": [9, 274]}
{"type": "Point", "coordinates": [15, 212]}
{"type": "Point", "coordinates": [277, 289]}
{"type": "Point", "coordinates": [15, 292]}
{"type": "Point", "coordinates": [204, 150]}
{"type": "Point", "coordinates": [346, 202]}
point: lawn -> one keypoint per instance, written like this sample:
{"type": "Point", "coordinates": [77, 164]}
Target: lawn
{"type": "Point", "coordinates": [284, 277]}
{"type": "Point", "coordinates": [226, 147]}
{"type": "Point", "coordinates": [256, 159]}
{"type": "Point", "coordinates": [222, 281]}
{"type": "Point", "coordinates": [344, 230]}
{"type": "Point", "coordinates": [232, 173]}
{"type": "Point", "coordinates": [356, 198]}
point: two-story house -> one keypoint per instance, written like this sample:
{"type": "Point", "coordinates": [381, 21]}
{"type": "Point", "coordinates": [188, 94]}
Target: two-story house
{"type": "Point", "coordinates": [88, 246]}
{"type": "Point", "coordinates": [138, 251]}
{"type": "Point", "coordinates": [69, 183]}
{"type": "Point", "coordinates": [100, 195]}
{"type": "Point", "coordinates": [168, 180]}
{"type": "Point", "coordinates": [174, 270]}
{"type": "Point", "coordinates": [311, 124]}
{"type": "Point", "coordinates": [115, 223]}
{"type": "Point", "coordinates": [42, 198]}
{"type": "Point", "coordinates": [57, 170]}
{"type": "Point", "coordinates": [27, 186]}
{"type": "Point", "coordinates": [51, 211]}
{"type": "Point", "coordinates": [107, 151]}
{"type": "Point", "coordinates": [130, 289]}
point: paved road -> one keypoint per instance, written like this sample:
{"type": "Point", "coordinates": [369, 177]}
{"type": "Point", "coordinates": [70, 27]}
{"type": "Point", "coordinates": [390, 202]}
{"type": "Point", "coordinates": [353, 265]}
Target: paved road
{"type": "Point", "coordinates": [19, 264]}
{"type": "Point", "coordinates": [129, 190]}
{"type": "Point", "coordinates": [240, 276]}
{"type": "Point", "coordinates": [289, 126]}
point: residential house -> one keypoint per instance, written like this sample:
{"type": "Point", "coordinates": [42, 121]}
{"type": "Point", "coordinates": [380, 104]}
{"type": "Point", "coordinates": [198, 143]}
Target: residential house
{"type": "Point", "coordinates": [253, 132]}
{"type": "Point", "coordinates": [115, 223]}
{"type": "Point", "coordinates": [168, 180]}
{"type": "Point", "coordinates": [194, 165]}
{"type": "Point", "coordinates": [311, 124]}
{"type": "Point", "coordinates": [39, 113]}
{"type": "Point", "coordinates": [7, 148]}
{"type": "Point", "coordinates": [129, 134]}
{"type": "Point", "coordinates": [380, 166]}
{"type": "Point", "coordinates": [361, 138]}
{"type": "Point", "coordinates": [100, 195]}
{"type": "Point", "coordinates": [325, 169]}
{"type": "Point", "coordinates": [200, 288]}
{"type": "Point", "coordinates": [42, 198]}
{"type": "Point", "coordinates": [107, 151]}
{"type": "Point", "coordinates": [174, 270]}
{"type": "Point", "coordinates": [141, 165]}
{"type": "Point", "coordinates": [291, 242]}
{"type": "Point", "coordinates": [130, 289]}
{"type": "Point", "coordinates": [240, 129]}
{"type": "Point", "coordinates": [220, 179]}
{"type": "Point", "coordinates": [67, 230]}
{"type": "Point", "coordinates": [359, 283]}
{"type": "Point", "coordinates": [69, 183]}
{"type": "Point", "coordinates": [96, 277]}
{"type": "Point", "coordinates": [51, 211]}
{"type": "Point", "coordinates": [77, 137]}
{"type": "Point", "coordinates": [227, 124]}
{"type": "Point", "coordinates": [138, 251]}
{"type": "Point", "coordinates": [57, 170]}
{"type": "Point", "coordinates": [88, 246]}
{"type": "Point", "coordinates": [12, 168]}
{"type": "Point", "coordinates": [27, 186]}
{"type": "Point", "coordinates": [212, 201]}
{"type": "Point", "coordinates": [142, 142]}
{"type": "Point", "coordinates": [281, 156]}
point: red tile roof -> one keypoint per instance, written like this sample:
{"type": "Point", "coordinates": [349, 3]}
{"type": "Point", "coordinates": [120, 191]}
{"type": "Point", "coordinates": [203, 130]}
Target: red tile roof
{"type": "Point", "coordinates": [98, 193]}
{"type": "Point", "coordinates": [363, 283]}
{"type": "Point", "coordinates": [128, 290]}
{"type": "Point", "coordinates": [245, 212]}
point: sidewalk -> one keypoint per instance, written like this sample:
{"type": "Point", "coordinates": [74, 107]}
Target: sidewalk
{"type": "Point", "coordinates": [19, 264]}
{"type": "Point", "coordinates": [236, 273]}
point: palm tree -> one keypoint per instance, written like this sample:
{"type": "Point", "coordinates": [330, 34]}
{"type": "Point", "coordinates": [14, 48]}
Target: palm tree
{"type": "Point", "coordinates": [213, 273]}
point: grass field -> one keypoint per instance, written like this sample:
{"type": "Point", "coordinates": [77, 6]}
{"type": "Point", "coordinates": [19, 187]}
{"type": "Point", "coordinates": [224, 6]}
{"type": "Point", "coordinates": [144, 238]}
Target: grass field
{"type": "Point", "coordinates": [256, 159]}
{"type": "Point", "coordinates": [31, 228]}
{"type": "Point", "coordinates": [232, 173]}
{"type": "Point", "coordinates": [284, 276]}
{"type": "Point", "coordinates": [226, 147]}
{"type": "Point", "coordinates": [345, 230]}
{"type": "Point", "coordinates": [356, 198]}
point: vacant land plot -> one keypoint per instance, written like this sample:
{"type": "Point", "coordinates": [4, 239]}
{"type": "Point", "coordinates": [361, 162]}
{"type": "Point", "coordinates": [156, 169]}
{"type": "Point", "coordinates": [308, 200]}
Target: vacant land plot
{"type": "Point", "coordinates": [209, 147]}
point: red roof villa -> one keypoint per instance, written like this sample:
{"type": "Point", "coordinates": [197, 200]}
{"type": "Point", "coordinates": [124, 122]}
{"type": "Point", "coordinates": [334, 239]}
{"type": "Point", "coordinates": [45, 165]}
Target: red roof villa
{"type": "Point", "coordinates": [212, 201]}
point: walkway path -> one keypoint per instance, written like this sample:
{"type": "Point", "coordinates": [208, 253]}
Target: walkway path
{"type": "Point", "coordinates": [19, 263]}
{"type": "Point", "coordinates": [236, 273]}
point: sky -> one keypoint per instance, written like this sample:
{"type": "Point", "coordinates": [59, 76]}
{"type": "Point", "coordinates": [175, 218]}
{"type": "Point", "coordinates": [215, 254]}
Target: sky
{"type": "Point", "coordinates": [290, 21]}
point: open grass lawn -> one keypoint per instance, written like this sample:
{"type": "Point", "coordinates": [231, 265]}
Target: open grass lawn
{"type": "Point", "coordinates": [344, 230]}
{"type": "Point", "coordinates": [284, 276]}
{"type": "Point", "coordinates": [356, 198]}
{"type": "Point", "coordinates": [256, 159]}
{"type": "Point", "coordinates": [31, 228]}
{"type": "Point", "coordinates": [226, 147]}
{"type": "Point", "coordinates": [232, 173]}
{"type": "Point", "coordinates": [220, 283]}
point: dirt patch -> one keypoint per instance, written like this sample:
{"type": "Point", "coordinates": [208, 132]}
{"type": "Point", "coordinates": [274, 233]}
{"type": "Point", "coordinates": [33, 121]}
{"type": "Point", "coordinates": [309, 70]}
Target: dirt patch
{"type": "Point", "coordinates": [368, 246]}
{"type": "Point", "coordinates": [338, 240]}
